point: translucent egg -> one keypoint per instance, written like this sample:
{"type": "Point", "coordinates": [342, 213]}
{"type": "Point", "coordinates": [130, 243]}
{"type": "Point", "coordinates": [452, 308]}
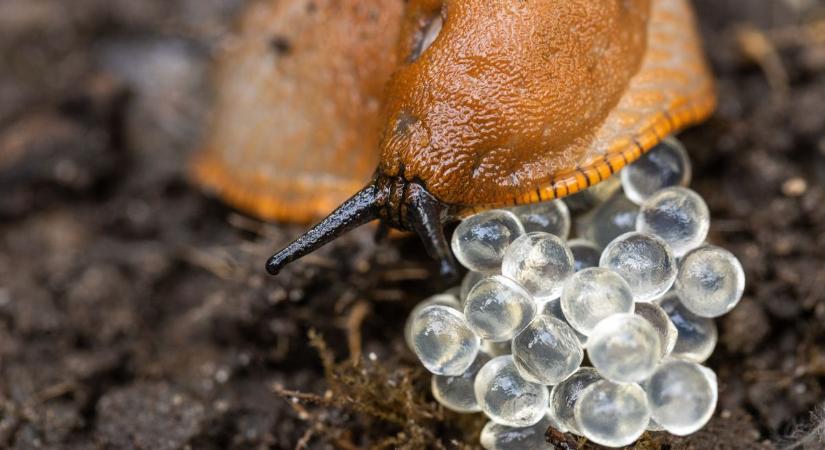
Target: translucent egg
{"type": "Point", "coordinates": [594, 195]}
{"type": "Point", "coordinates": [564, 396]}
{"type": "Point", "coordinates": [438, 299]}
{"type": "Point", "coordinates": [624, 348]}
{"type": "Point", "coordinates": [467, 283]}
{"type": "Point", "coordinates": [592, 295]}
{"type": "Point", "coordinates": [612, 414]}
{"type": "Point", "coordinates": [697, 336]}
{"type": "Point", "coordinates": [443, 341]}
{"type": "Point", "coordinates": [682, 396]}
{"type": "Point", "coordinates": [506, 397]}
{"type": "Point", "coordinates": [496, 348]}
{"type": "Point", "coordinates": [547, 351]}
{"type": "Point", "coordinates": [677, 215]}
{"type": "Point", "coordinates": [495, 436]}
{"type": "Point", "coordinates": [663, 166]}
{"type": "Point", "coordinates": [540, 262]}
{"type": "Point", "coordinates": [549, 217]}
{"type": "Point", "coordinates": [609, 220]}
{"type": "Point", "coordinates": [553, 308]}
{"type": "Point", "coordinates": [585, 254]}
{"type": "Point", "coordinates": [644, 261]}
{"type": "Point", "coordinates": [710, 281]}
{"type": "Point", "coordinates": [457, 392]}
{"type": "Point", "coordinates": [657, 317]}
{"type": "Point", "coordinates": [479, 241]}
{"type": "Point", "coordinates": [497, 308]}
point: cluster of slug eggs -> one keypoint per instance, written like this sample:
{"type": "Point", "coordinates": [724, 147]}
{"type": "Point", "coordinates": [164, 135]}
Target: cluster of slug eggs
{"type": "Point", "coordinates": [635, 293]}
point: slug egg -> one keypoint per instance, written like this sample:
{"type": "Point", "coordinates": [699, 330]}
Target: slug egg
{"type": "Point", "coordinates": [540, 262]}
{"type": "Point", "coordinates": [443, 341]}
{"type": "Point", "coordinates": [657, 317]}
{"type": "Point", "coordinates": [609, 220]}
{"type": "Point", "coordinates": [682, 396]}
{"type": "Point", "coordinates": [677, 215]}
{"type": "Point", "coordinates": [506, 397]}
{"type": "Point", "coordinates": [438, 299]}
{"type": "Point", "coordinates": [624, 348]}
{"type": "Point", "coordinates": [665, 165]}
{"type": "Point", "coordinates": [549, 217]}
{"type": "Point", "coordinates": [644, 261]}
{"type": "Point", "coordinates": [547, 351]}
{"type": "Point", "coordinates": [495, 436]}
{"type": "Point", "coordinates": [710, 281]}
{"type": "Point", "coordinates": [479, 241]}
{"type": "Point", "coordinates": [592, 295]}
{"type": "Point", "coordinates": [564, 396]}
{"type": "Point", "coordinates": [612, 414]}
{"type": "Point", "coordinates": [497, 308]}
{"type": "Point", "coordinates": [467, 283]}
{"type": "Point", "coordinates": [696, 337]}
{"type": "Point", "coordinates": [456, 392]}
{"type": "Point", "coordinates": [585, 254]}
{"type": "Point", "coordinates": [552, 308]}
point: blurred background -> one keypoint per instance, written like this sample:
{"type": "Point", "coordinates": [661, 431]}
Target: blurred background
{"type": "Point", "coordinates": [135, 312]}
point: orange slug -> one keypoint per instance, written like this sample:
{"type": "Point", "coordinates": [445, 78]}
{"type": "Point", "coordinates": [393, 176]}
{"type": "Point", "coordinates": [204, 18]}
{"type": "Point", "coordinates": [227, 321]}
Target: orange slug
{"type": "Point", "coordinates": [501, 102]}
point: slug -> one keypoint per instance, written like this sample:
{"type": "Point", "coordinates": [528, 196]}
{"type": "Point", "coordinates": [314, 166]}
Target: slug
{"type": "Point", "coordinates": [500, 102]}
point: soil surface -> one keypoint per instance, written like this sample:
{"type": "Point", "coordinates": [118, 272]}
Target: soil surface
{"type": "Point", "coordinates": [135, 312]}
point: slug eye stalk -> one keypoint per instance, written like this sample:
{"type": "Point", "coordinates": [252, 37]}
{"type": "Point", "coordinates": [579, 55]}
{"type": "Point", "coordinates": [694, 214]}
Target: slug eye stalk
{"type": "Point", "coordinates": [397, 203]}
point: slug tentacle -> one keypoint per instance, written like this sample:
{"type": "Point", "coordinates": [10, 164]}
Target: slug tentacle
{"type": "Point", "coordinates": [427, 215]}
{"type": "Point", "coordinates": [397, 203]}
{"type": "Point", "coordinates": [358, 210]}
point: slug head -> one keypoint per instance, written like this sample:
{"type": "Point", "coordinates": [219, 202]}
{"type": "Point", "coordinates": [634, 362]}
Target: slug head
{"type": "Point", "coordinates": [494, 95]}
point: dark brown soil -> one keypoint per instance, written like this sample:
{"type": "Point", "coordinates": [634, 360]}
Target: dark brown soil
{"type": "Point", "coordinates": [135, 312]}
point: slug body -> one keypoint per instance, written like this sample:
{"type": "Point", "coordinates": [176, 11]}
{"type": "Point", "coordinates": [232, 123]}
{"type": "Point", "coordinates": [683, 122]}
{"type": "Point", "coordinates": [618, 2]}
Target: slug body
{"type": "Point", "coordinates": [501, 102]}
{"type": "Point", "coordinates": [299, 88]}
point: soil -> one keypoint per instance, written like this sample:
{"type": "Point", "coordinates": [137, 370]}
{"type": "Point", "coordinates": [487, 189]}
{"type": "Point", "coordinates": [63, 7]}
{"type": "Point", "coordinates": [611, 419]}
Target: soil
{"type": "Point", "coordinates": [135, 312]}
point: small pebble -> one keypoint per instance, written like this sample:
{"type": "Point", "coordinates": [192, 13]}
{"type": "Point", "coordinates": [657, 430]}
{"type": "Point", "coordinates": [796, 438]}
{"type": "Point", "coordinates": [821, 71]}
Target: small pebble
{"type": "Point", "coordinates": [549, 217]}
{"type": "Point", "coordinates": [657, 317]}
{"type": "Point", "coordinates": [677, 215]}
{"type": "Point", "coordinates": [592, 295]}
{"type": "Point", "coordinates": [682, 396]}
{"type": "Point", "coordinates": [457, 393]}
{"type": "Point", "coordinates": [585, 254]}
{"type": "Point", "coordinates": [612, 414]}
{"type": "Point", "coordinates": [495, 436]}
{"type": "Point", "coordinates": [540, 262]}
{"type": "Point", "coordinates": [624, 348]}
{"type": "Point", "coordinates": [547, 351]}
{"type": "Point", "coordinates": [437, 299]}
{"type": "Point", "coordinates": [564, 396]}
{"type": "Point", "coordinates": [644, 261]}
{"type": "Point", "coordinates": [697, 336]}
{"type": "Point", "coordinates": [506, 397]}
{"type": "Point", "coordinates": [497, 308]}
{"type": "Point", "coordinates": [665, 165]}
{"type": "Point", "coordinates": [609, 220]}
{"type": "Point", "coordinates": [710, 281]}
{"type": "Point", "coordinates": [443, 341]}
{"type": "Point", "coordinates": [553, 308]}
{"type": "Point", "coordinates": [479, 241]}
